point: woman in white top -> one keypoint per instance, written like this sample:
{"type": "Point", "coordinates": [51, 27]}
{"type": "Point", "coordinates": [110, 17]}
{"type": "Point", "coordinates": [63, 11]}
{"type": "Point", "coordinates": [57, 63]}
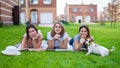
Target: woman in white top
{"type": "Point", "coordinates": [57, 38]}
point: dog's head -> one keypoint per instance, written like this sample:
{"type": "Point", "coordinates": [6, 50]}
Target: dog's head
{"type": "Point", "coordinates": [88, 41]}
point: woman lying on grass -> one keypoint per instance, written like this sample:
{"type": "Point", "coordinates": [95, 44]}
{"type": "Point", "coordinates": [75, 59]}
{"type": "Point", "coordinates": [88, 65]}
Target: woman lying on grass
{"type": "Point", "coordinates": [79, 39]}
{"type": "Point", "coordinates": [58, 38]}
{"type": "Point", "coordinates": [31, 39]}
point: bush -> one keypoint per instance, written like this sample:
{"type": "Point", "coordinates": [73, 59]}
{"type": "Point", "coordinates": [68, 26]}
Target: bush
{"type": "Point", "coordinates": [27, 23]}
{"type": "Point", "coordinates": [1, 24]}
{"type": "Point", "coordinates": [65, 22]}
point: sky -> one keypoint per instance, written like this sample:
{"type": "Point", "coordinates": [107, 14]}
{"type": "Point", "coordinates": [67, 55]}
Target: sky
{"type": "Point", "coordinates": [100, 4]}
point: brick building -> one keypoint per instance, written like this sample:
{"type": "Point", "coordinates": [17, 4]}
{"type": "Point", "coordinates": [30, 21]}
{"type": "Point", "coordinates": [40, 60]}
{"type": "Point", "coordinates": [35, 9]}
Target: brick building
{"type": "Point", "coordinates": [7, 11]}
{"type": "Point", "coordinates": [38, 11]}
{"type": "Point", "coordinates": [81, 13]}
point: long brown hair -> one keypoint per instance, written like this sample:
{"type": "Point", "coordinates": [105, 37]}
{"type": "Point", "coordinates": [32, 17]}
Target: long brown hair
{"type": "Point", "coordinates": [62, 29]}
{"type": "Point", "coordinates": [27, 29]}
{"type": "Point", "coordinates": [87, 28]}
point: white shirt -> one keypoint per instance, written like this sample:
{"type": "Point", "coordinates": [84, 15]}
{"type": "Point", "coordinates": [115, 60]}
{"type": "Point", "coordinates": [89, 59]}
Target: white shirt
{"type": "Point", "coordinates": [57, 44]}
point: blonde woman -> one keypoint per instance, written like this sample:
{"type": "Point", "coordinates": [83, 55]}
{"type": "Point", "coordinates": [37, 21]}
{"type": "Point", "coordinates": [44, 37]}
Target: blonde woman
{"type": "Point", "coordinates": [58, 38]}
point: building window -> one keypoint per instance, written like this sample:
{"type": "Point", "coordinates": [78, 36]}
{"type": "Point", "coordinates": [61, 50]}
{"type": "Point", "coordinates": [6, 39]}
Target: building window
{"type": "Point", "coordinates": [34, 16]}
{"type": "Point", "coordinates": [47, 1]}
{"type": "Point", "coordinates": [74, 10]}
{"type": "Point", "coordinates": [91, 10]}
{"type": "Point", "coordinates": [21, 1]}
{"type": "Point", "coordinates": [80, 10]}
{"type": "Point", "coordinates": [34, 1]}
{"type": "Point", "coordinates": [72, 18]}
{"type": "Point", "coordinates": [93, 18]}
{"type": "Point", "coordinates": [87, 10]}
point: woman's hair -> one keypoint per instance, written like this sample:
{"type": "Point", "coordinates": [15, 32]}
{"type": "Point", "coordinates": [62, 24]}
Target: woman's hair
{"type": "Point", "coordinates": [62, 29]}
{"type": "Point", "coordinates": [27, 29]}
{"type": "Point", "coordinates": [86, 27]}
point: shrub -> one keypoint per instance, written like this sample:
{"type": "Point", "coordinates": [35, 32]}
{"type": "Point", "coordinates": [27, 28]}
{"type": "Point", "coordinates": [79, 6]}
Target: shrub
{"type": "Point", "coordinates": [1, 24]}
{"type": "Point", "coordinates": [65, 22]}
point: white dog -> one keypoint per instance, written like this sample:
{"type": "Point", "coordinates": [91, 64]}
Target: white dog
{"type": "Point", "coordinates": [96, 49]}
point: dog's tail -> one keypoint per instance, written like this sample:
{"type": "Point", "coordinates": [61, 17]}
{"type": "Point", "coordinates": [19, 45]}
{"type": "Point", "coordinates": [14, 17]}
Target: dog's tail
{"type": "Point", "coordinates": [113, 48]}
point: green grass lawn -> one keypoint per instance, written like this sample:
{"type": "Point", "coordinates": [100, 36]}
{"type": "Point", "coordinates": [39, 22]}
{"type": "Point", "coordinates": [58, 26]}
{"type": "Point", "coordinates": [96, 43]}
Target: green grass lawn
{"type": "Point", "coordinates": [103, 35]}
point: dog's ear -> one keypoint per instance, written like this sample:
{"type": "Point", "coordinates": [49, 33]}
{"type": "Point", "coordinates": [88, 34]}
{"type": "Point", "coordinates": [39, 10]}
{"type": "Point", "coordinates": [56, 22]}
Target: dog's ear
{"type": "Point", "coordinates": [88, 39]}
{"type": "Point", "coordinates": [91, 37]}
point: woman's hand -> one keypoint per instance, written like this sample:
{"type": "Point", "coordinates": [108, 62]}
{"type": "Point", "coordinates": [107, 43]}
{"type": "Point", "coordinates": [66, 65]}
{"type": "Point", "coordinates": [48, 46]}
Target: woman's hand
{"type": "Point", "coordinates": [36, 36]}
{"type": "Point", "coordinates": [57, 36]}
{"type": "Point", "coordinates": [82, 40]}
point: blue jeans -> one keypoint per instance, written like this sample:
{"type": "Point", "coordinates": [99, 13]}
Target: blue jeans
{"type": "Point", "coordinates": [71, 42]}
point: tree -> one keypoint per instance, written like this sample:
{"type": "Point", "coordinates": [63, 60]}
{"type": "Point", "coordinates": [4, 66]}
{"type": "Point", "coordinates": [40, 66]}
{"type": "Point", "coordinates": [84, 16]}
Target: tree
{"type": "Point", "coordinates": [101, 18]}
{"type": "Point", "coordinates": [112, 10]}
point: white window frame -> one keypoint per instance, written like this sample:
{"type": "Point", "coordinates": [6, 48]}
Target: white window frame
{"type": "Point", "coordinates": [91, 9]}
{"type": "Point", "coordinates": [80, 10]}
{"type": "Point", "coordinates": [32, 18]}
{"type": "Point", "coordinates": [93, 18]}
{"type": "Point", "coordinates": [86, 10]}
{"type": "Point", "coordinates": [74, 10]}
{"type": "Point", "coordinates": [47, 2]}
{"type": "Point", "coordinates": [72, 17]}
{"type": "Point", "coordinates": [34, 1]}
